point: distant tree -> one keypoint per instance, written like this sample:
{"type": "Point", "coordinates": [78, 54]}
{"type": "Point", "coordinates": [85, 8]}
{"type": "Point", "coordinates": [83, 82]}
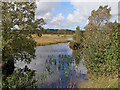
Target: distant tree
{"type": "Point", "coordinates": [59, 32]}
{"type": "Point", "coordinates": [65, 32]}
{"type": "Point", "coordinates": [77, 33]}
{"type": "Point", "coordinates": [78, 36]}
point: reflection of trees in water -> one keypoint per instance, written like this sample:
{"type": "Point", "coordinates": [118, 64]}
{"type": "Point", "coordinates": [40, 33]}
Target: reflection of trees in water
{"type": "Point", "coordinates": [76, 52]}
{"type": "Point", "coordinates": [78, 56]}
{"type": "Point", "coordinates": [66, 65]}
{"type": "Point", "coordinates": [62, 63]}
{"type": "Point", "coordinates": [22, 78]}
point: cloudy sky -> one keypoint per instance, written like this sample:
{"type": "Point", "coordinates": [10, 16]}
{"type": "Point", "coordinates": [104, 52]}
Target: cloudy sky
{"type": "Point", "coordinates": [68, 15]}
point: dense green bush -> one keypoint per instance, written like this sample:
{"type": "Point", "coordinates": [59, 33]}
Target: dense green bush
{"type": "Point", "coordinates": [112, 51]}
{"type": "Point", "coordinates": [19, 79]}
{"type": "Point", "coordinates": [101, 44]}
{"type": "Point", "coordinates": [101, 51]}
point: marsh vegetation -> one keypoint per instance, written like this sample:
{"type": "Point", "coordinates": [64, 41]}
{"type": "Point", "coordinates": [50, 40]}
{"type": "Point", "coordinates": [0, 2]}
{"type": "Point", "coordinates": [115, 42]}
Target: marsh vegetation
{"type": "Point", "coordinates": [48, 39]}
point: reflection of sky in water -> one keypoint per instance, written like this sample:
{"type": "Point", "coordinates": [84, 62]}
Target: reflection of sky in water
{"type": "Point", "coordinates": [42, 53]}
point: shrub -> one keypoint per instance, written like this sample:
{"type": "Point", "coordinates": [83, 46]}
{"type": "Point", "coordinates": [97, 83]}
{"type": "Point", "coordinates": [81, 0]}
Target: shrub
{"type": "Point", "coordinates": [19, 80]}
{"type": "Point", "coordinates": [101, 51]}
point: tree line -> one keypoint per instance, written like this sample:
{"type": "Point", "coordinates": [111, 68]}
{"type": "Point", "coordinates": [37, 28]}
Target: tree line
{"type": "Point", "coordinates": [58, 31]}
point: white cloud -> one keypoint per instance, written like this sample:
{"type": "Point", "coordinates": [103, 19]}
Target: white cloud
{"type": "Point", "coordinates": [75, 17]}
{"type": "Point", "coordinates": [56, 21]}
{"type": "Point", "coordinates": [58, 18]}
{"type": "Point", "coordinates": [82, 10]}
{"type": "Point", "coordinates": [45, 8]}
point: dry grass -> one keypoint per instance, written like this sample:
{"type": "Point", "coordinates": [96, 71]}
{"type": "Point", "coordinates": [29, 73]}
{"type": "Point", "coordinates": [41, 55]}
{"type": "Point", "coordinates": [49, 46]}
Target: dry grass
{"type": "Point", "coordinates": [48, 39]}
{"type": "Point", "coordinates": [101, 82]}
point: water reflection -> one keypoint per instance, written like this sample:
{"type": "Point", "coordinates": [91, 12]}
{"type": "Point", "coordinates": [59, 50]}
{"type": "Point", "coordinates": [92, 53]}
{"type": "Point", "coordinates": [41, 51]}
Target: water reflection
{"type": "Point", "coordinates": [55, 64]}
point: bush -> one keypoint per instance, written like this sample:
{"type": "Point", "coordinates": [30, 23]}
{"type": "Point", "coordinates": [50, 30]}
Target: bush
{"type": "Point", "coordinates": [101, 51]}
{"type": "Point", "coordinates": [19, 80]}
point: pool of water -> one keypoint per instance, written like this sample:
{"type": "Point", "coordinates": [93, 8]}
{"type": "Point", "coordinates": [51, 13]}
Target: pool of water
{"type": "Point", "coordinates": [57, 64]}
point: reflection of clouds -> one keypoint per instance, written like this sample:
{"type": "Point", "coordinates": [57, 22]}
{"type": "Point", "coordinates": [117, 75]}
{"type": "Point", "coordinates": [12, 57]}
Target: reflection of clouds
{"type": "Point", "coordinates": [80, 68]}
{"type": "Point", "coordinates": [39, 63]}
{"type": "Point", "coordinates": [20, 64]}
{"type": "Point", "coordinates": [50, 79]}
{"type": "Point", "coordinates": [53, 77]}
{"type": "Point", "coordinates": [69, 52]}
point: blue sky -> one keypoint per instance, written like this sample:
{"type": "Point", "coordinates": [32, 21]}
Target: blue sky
{"type": "Point", "coordinates": [65, 8]}
{"type": "Point", "coordinates": [68, 15]}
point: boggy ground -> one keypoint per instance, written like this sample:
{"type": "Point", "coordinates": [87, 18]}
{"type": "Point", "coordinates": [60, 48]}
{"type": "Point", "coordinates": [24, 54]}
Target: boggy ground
{"type": "Point", "coordinates": [48, 39]}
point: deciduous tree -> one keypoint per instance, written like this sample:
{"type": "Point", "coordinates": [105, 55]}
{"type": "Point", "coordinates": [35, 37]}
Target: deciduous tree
{"type": "Point", "coordinates": [17, 44]}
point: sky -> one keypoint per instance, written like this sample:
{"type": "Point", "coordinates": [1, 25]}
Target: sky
{"type": "Point", "coordinates": [70, 14]}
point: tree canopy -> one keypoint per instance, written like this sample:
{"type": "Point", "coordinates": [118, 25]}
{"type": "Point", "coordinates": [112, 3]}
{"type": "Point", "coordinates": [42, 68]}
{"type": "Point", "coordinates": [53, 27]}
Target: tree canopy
{"type": "Point", "coordinates": [98, 18]}
{"type": "Point", "coordinates": [18, 44]}
{"type": "Point", "coordinates": [78, 36]}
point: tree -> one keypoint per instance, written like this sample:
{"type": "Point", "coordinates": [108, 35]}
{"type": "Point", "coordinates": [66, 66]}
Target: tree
{"type": "Point", "coordinates": [98, 18]}
{"type": "Point", "coordinates": [18, 44]}
{"type": "Point", "coordinates": [36, 26]}
{"type": "Point", "coordinates": [99, 45]}
{"type": "Point", "coordinates": [64, 32]}
{"type": "Point", "coordinates": [112, 51]}
{"type": "Point", "coordinates": [78, 36]}
{"type": "Point", "coordinates": [59, 32]}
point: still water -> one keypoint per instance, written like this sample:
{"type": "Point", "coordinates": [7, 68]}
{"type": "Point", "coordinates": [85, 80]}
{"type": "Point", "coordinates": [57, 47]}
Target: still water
{"type": "Point", "coordinates": [55, 66]}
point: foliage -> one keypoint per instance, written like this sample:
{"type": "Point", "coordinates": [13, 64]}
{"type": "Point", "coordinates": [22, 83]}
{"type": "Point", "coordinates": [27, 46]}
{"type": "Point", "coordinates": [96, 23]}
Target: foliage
{"type": "Point", "coordinates": [112, 51]}
{"type": "Point", "coordinates": [19, 79]}
{"type": "Point", "coordinates": [43, 77]}
{"type": "Point", "coordinates": [98, 18]}
{"type": "Point", "coordinates": [18, 22]}
{"type": "Point", "coordinates": [101, 46]}
{"type": "Point", "coordinates": [78, 36]}
{"type": "Point", "coordinates": [94, 50]}
{"type": "Point", "coordinates": [17, 43]}
{"type": "Point", "coordinates": [58, 31]}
